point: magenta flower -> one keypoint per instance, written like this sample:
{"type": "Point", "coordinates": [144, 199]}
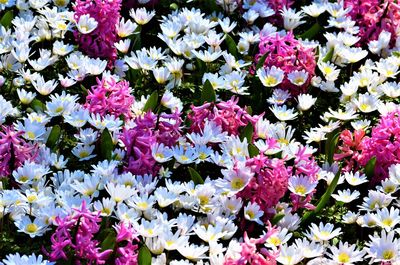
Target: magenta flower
{"type": "Point", "coordinates": [350, 149]}
{"type": "Point", "coordinates": [230, 116]}
{"type": "Point", "coordinates": [384, 144]}
{"type": "Point", "coordinates": [127, 252]}
{"type": "Point", "coordinates": [76, 232]}
{"type": "Point", "coordinates": [100, 42]}
{"type": "Point", "coordinates": [288, 54]}
{"type": "Point", "coordinates": [110, 97]}
{"type": "Point", "coordinates": [374, 16]}
{"type": "Point", "coordinates": [14, 150]}
{"type": "Point", "coordinates": [269, 183]}
{"type": "Point", "coordinates": [149, 130]}
{"type": "Point", "coordinates": [252, 251]}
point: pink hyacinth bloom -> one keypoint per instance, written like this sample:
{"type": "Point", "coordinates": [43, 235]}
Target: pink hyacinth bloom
{"type": "Point", "coordinates": [350, 149]}
{"type": "Point", "coordinates": [149, 129]}
{"type": "Point", "coordinates": [77, 232]}
{"type": "Point", "coordinates": [252, 251]}
{"type": "Point", "coordinates": [14, 150]}
{"type": "Point", "coordinates": [110, 97]}
{"type": "Point", "coordinates": [288, 54]}
{"type": "Point", "coordinates": [227, 114]}
{"type": "Point", "coordinates": [127, 253]}
{"type": "Point", "coordinates": [100, 42]}
{"type": "Point", "coordinates": [269, 183]}
{"type": "Point", "coordinates": [384, 144]}
{"type": "Point", "coordinates": [374, 16]}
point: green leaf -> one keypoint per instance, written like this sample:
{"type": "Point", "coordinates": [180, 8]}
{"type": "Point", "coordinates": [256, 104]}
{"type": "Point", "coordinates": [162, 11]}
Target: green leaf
{"type": "Point", "coordinates": [7, 18]}
{"type": "Point", "coordinates": [261, 61]}
{"type": "Point", "coordinates": [396, 53]}
{"type": "Point", "coordinates": [311, 32]}
{"type": "Point", "coordinates": [152, 102]}
{"type": "Point", "coordinates": [253, 150]}
{"type": "Point", "coordinates": [249, 110]}
{"type": "Point", "coordinates": [232, 47]}
{"type": "Point", "coordinates": [106, 144]}
{"type": "Point", "coordinates": [197, 179]}
{"type": "Point", "coordinates": [137, 43]}
{"type": "Point", "coordinates": [144, 257]}
{"type": "Point", "coordinates": [324, 199]}
{"type": "Point", "coordinates": [84, 90]}
{"type": "Point", "coordinates": [37, 105]}
{"type": "Point", "coordinates": [330, 145]}
{"type": "Point", "coordinates": [53, 137]}
{"type": "Point", "coordinates": [247, 133]}
{"type": "Point", "coordinates": [173, 6]}
{"type": "Point", "coordinates": [208, 93]}
{"type": "Point", "coordinates": [109, 241]}
{"type": "Point", "coordinates": [328, 56]}
{"type": "Point", "coordinates": [370, 167]}
{"type": "Point", "coordinates": [277, 218]}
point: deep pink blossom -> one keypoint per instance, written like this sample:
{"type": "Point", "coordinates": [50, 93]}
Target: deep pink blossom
{"type": "Point", "coordinates": [149, 129]}
{"type": "Point", "coordinates": [14, 150]}
{"type": "Point", "coordinates": [100, 42]}
{"type": "Point", "coordinates": [350, 146]}
{"type": "Point", "coordinates": [374, 16]}
{"type": "Point", "coordinates": [288, 54]}
{"type": "Point", "coordinates": [269, 183]}
{"type": "Point", "coordinates": [384, 144]}
{"type": "Point", "coordinates": [76, 232]}
{"type": "Point", "coordinates": [253, 252]}
{"type": "Point", "coordinates": [110, 97]}
{"type": "Point", "coordinates": [127, 247]}
{"type": "Point", "coordinates": [227, 114]}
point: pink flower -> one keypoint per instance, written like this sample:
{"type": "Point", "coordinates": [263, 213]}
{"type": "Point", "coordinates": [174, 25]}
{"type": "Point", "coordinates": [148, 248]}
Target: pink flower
{"type": "Point", "coordinates": [350, 148]}
{"type": "Point", "coordinates": [227, 114]}
{"type": "Point", "coordinates": [384, 144]}
{"type": "Point", "coordinates": [374, 16]}
{"type": "Point", "coordinates": [14, 150]}
{"type": "Point", "coordinates": [127, 252]}
{"type": "Point", "coordinates": [149, 130]}
{"type": "Point", "coordinates": [110, 97]}
{"type": "Point", "coordinates": [77, 232]}
{"type": "Point", "coordinates": [252, 253]}
{"type": "Point", "coordinates": [100, 42]}
{"type": "Point", "coordinates": [288, 54]}
{"type": "Point", "coordinates": [269, 183]}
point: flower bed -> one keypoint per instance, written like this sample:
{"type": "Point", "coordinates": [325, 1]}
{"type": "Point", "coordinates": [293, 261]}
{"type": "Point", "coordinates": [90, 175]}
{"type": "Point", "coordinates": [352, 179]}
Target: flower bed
{"type": "Point", "coordinates": [216, 132]}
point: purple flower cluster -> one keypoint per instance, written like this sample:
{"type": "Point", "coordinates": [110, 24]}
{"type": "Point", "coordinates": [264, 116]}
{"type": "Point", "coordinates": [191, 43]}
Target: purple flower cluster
{"type": "Point", "coordinates": [110, 97]}
{"type": "Point", "coordinates": [74, 240]}
{"type": "Point", "coordinates": [76, 232]}
{"type": "Point", "coordinates": [288, 54]}
{"type": "Point", "coordinates": [373, 17]}
{"type": "Point", "coordinates": [227, 114]}
{"type": "Point", "coordinates": [149, 129]}
{"type": "Point", "coordinates": [14, 150]}
{"type": "Point", "coordinates": [100, 42]}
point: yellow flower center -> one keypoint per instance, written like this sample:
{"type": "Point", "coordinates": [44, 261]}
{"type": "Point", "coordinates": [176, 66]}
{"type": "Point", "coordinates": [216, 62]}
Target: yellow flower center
{"type": "Point", "coordinates": [251, 214]}
{"type": "Point", "coordinates": [387, 222]}
{"type": "Point", "coordinates": [23, 178]}
{"type": "Point", "coordinates": [31, 135]}
{"type": "Point", "coordinates": [237, 183]}
{"type": "Point", "coordinates": [31, 198]}
{"type": "Point", "coordinates": [274, 241]}
{"type": "Point", "coordinates": [301, 189]}
{"type": "Point", "coordinates": [328, 70]}
{"type": "Point", "coordinates": [388, 254]}
{"type": "Point", "coordinates": [343, 257]}
{"type": "Point", "coordinates": [83, 154]}
{"type": "Point", "coordinates": [31, 228]}
{"type": "Point", "coordinates": [270, 81]}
